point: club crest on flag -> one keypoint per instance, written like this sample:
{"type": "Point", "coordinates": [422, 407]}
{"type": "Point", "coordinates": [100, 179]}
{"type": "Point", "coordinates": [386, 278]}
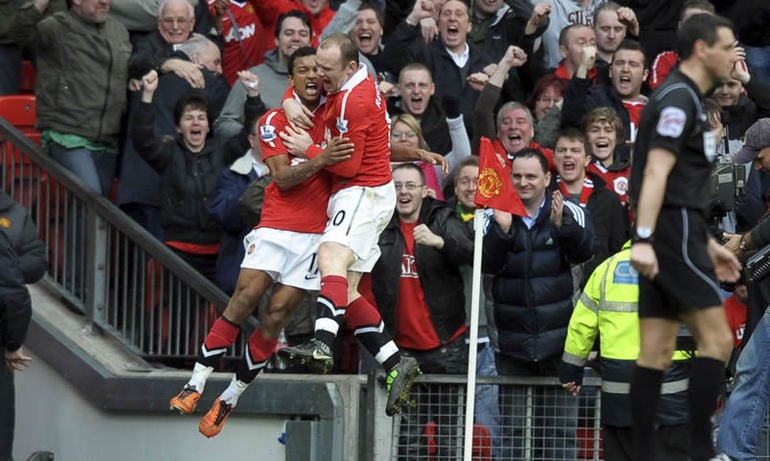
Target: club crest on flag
{"type": "Point", "coordinates": [490, 185]}
{"type": "Point", "coordinates": [494, 188]}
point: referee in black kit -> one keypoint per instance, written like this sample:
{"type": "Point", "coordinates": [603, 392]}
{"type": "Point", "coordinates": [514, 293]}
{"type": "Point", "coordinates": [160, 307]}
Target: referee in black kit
{"type": "Point", "coordinates": [679, 262]}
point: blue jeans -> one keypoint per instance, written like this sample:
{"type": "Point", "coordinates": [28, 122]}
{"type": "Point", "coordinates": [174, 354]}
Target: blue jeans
{"type": "Point", "coordinates": [747, 406]}
{"type": "Point", "coordinates": [487, 410]}
{"type": "Point", "coordinates": [758, 61]}
{"type": "Point", "coordinates": [538, 423]}
{"type": "Point", "coordinates": [95, 169]}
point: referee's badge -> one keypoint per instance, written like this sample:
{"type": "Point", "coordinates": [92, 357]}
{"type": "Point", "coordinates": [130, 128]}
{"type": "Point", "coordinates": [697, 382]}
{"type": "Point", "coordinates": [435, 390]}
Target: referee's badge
{"type": "Point", "coordinates": [5, 223]}
{"type": "Point", "coordinates": [671, 122]}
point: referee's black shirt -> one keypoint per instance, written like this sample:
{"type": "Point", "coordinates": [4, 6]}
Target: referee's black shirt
{"type": "Point", "coordinates": [674, 120]}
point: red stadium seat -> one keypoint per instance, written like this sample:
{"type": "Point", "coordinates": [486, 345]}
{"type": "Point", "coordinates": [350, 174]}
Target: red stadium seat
{"type": "Point", "coordinates": [27, 81]}
{"type": "Point", "coordinates": [19, 110]}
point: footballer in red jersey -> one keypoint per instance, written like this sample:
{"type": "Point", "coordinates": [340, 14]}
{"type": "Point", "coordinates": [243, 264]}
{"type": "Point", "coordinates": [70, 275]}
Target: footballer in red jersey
{"type": "Point", "coordinates": [361, 205]}
{"type": "Point", "coordinates": [279, 252]}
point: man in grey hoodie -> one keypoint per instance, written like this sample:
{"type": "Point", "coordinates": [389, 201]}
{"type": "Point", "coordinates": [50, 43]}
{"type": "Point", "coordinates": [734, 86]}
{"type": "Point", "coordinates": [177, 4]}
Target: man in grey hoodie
{"type": "Point", "coordinates": [292, 31]}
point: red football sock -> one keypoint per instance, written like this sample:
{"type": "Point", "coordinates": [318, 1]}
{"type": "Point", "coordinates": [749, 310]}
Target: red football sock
{"type": "Point", "coordinates": [360, 313]}
{"type": "Point", "coordinates": [335, 289]}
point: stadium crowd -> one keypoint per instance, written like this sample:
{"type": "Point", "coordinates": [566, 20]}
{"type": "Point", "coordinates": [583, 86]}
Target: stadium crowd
{"type": "Point", "coordinates": [190, 114]}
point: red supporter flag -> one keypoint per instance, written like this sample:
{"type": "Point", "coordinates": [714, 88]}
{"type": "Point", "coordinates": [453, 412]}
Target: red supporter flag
{"type": "Point", "coordinates": [495, 189]}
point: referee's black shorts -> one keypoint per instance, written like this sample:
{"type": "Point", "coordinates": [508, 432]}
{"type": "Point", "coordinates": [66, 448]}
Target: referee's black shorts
{"type": "Point", "coordinates": [686, 279]}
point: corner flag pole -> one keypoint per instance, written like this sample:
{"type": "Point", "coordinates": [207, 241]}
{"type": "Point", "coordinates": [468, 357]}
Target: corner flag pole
{"type": "Point", "coordinates": [470, 404]}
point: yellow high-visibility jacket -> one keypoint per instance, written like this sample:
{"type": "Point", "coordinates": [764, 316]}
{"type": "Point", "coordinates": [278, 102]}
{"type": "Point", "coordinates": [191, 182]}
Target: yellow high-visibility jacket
{"type": "Point", "coordinates": [608, 307]}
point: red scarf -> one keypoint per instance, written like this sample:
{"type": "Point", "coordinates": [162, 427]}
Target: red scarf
{"type": "Point", "coordinates": [588, 188]}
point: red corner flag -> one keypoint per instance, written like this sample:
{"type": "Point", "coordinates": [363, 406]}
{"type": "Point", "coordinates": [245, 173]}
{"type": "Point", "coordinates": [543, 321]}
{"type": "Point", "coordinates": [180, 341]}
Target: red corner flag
{"type": "Point", "coordinates": [495, 189]}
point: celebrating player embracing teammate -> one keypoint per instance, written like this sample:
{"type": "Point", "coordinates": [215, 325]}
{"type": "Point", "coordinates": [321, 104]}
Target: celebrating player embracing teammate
{"type": "Point", "coordinates": [362, 203]}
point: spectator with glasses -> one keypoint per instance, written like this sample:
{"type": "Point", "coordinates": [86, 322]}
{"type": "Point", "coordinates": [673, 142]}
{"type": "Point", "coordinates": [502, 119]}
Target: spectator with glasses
{"type": "Point", "coordinates": [176, 21]}
{"type": "Point", "coordinates": [419, 291]}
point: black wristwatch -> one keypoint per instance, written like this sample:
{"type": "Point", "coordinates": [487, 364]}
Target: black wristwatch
{"type": "Point", "coordinates": [642, 235]}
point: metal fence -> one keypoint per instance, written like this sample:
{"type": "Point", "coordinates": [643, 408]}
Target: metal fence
{"type": "Point", "coordinates": [515, 418]}
{"type": "Point", "coordinates": [101, 263]}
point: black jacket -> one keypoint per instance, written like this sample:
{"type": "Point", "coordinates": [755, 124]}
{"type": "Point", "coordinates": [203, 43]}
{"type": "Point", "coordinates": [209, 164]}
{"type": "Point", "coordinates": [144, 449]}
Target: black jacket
{"type": "Point", "coordinates": [581, 96]}
{"type": "Point", "coordinates": [188, 180]}
{"type": "Point", "coordinates": [150, 52]}
{"type": "Point", "coordinates": [15, 304]}
{"type": "Point", "coordinates": [756, 105]}
{"type": "Point", "coordinates": [139, 183]}
{"type": "Point", "coordinates": [506, 29]}
{"type": "Point", "coordinates": [609, 220]}
{"type": "Point", "coordinates": [17, 225]}
{"type": "Point", "coordinates": [433, 123]}
{"type": "Point", "coordinates": [438, 270]}
{"type": "Point", "coordinates": [406, 45]}
{"type": "Point", "coordinates": [532, 286]}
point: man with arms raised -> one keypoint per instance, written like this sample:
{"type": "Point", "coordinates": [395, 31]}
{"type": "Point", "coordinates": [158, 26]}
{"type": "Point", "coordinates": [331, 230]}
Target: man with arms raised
{"type": "Point", "coordinates": [457, 66]}
{"type": "Point", "coordinates": [612, 24]}
{"type": "Point", "coordinates": [514, 129]}
{"type": "Point", "coordinates": [628, 70]}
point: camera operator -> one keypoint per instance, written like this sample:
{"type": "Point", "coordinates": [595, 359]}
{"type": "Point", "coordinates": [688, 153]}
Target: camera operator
{"type": "Point", "coordinates": [728, 179]}
{"type": "Point", "coordinates": [747, 406]}
{"type": "Point", "coordinates": [755, 153]}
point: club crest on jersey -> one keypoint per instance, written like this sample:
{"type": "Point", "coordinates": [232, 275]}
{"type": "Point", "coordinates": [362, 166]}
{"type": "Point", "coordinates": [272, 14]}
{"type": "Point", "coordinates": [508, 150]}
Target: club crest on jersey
{"type": "Point", "coordinates": [267, 133]}
{"type": "Point", "coordinates": [620, 185]}
{"type": "Point", "coordinates": [342, 125]}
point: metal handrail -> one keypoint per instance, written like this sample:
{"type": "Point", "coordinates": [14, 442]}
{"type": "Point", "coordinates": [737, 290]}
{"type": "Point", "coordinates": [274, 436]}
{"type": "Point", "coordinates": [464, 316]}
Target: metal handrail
{"type": "Point", "coordinates": [103, 264]}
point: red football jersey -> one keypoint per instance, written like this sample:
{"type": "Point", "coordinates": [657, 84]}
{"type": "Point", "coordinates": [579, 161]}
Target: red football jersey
{"type": "Point", "coordinates": [250, 51]}
{"type": "Point", "coordinates": [414, 327]}
{"type": "Point", "coordinates": [617, 181]}
{"type": "Point", "coordinates": [270, 10]}
{"type": "Point", "coordinates": [301, 208]}
{"type": "Point", "coordinates": [634, 109]}
{"type": "Point", "coordinates": [736, 317]}
{"type": "Point", "coordinates": [358, 112]}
